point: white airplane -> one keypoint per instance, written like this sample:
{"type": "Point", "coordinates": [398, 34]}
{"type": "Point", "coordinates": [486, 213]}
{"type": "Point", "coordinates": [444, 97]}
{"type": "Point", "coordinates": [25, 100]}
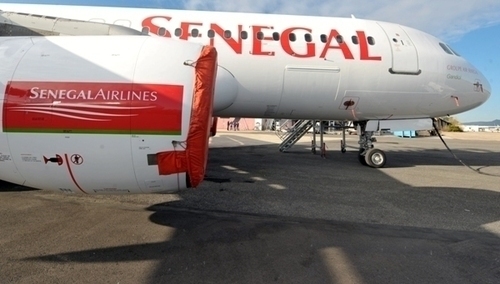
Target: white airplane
{"type": "Point", "coordinates": [129, 113]}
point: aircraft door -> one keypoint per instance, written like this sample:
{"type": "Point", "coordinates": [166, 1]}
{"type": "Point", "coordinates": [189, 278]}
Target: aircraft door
{"type": "Point", "coordinates": [319, 83]}
{"type": "Point", "coordinates": [404, 52]}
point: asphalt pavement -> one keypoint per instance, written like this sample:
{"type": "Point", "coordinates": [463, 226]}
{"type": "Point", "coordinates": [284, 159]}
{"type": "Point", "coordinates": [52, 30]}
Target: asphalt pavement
{"type": "Point", "coordinates": [262, 216]}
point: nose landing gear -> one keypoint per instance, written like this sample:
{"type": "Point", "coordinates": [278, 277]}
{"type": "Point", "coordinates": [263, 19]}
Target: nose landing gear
{"type": "Point", "coordinates": [368, 155]}
{"type": "Point", "coordinates": [375, 158]}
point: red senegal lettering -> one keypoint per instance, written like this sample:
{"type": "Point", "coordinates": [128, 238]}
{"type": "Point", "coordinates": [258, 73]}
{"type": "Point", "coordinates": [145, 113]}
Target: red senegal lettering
{"type": "Point", "coordinates": [257, 43]}
{"type": "Point", "coordinates": [235, 42]}
{"type": "Point", "coordinates": [286, 44]}
{"type": "Point", "coordinates": [342, 46]}
{"type": "Point", "coordinates": [148, 23]}
{"type": "Point", "coordinates": [363, 48]}
{"type": "Point", "coordinates": [237, 46]}
{"type": "Point", "coordinates": [185, 28]}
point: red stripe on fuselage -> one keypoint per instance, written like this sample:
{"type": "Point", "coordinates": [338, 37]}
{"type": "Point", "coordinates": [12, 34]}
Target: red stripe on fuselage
{"type": "Point", "coordinates": [76, 107]}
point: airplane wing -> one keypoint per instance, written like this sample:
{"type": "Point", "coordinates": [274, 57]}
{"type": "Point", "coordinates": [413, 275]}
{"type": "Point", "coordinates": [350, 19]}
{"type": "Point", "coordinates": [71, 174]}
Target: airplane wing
{"type": "Point", "coordinates": [21, 24]}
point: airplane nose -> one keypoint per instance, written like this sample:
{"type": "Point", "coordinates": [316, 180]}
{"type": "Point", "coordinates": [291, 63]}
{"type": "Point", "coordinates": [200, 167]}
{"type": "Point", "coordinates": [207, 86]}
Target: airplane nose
{"type": "Point", "coordinates": [482, 88]}
{"type": "Point", "coordinates": [480, 85]}
{"type": "Point", "coordinates": [486, 89]}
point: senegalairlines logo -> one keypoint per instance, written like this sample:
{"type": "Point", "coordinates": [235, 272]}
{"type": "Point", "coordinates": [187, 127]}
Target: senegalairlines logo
{"type": "Point", "coordinates": [84, 107]}
{"type": "Point", "coordinates": [89, 95]}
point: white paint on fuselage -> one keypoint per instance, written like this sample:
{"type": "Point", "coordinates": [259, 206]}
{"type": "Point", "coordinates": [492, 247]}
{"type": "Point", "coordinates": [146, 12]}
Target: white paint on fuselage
{"type": "Point", "coordinates": [262, 80]}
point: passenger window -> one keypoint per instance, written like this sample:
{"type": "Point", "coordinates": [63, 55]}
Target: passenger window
{"type": "Point", "coordinates": [244, 35]}
{"type": "Point", "coordinates": [178, 32]}
{"type": "Point", "coordinates": [445, 48]}
{"type": "Point", "coordinates": [323, 38]}
{"type": "Point", "coordinates": [340, 39]}
{"type": "Point", "coordinates": [308, 37]}
{"type": "Point", "coordinates": [276, 36]}
{"type": "Point", "coordinates": [195, 33]}
{"type": "Point", "coordinates": [211, 33]}
{"type": "Point", "coordinates": [260, 35]}
{"type": "Point", "coordinates": [371, 40]}
{"type": "Point", "coordinates": [292, 37]}
{"type": "Point", "coordinates": [355, 39]}
{"type": "Point", "coordinates": [227, 34]}
{"type": "Point", "coordinates": [162, 31]}
{"type": "Point", "coordinates": [145, 30]}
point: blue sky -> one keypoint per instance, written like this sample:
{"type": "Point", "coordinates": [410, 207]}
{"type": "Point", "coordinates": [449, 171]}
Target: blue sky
{"type": "Point", "coordinates": [472, 28]}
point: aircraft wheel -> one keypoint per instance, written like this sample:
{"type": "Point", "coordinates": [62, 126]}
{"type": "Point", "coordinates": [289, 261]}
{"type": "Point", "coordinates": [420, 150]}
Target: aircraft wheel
{"type": "Point", "coordinates": [375, 158]}
{"type": "Point", "coordinates": [343, 150]}
{"type": "Point", "coordinates": [361, 158]}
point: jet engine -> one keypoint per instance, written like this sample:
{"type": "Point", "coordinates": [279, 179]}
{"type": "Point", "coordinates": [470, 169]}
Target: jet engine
{"type": "Point", "coordinates": [101, 114]}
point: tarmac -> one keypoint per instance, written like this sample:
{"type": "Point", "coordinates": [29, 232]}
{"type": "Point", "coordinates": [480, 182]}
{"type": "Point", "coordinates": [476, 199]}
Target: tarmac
{"type": "Point", "coordinates": [262, 216]}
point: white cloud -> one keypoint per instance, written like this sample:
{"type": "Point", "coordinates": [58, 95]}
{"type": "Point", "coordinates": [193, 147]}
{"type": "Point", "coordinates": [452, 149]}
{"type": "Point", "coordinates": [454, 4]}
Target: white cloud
{"type": "Point", "coordinates": [447, 19]}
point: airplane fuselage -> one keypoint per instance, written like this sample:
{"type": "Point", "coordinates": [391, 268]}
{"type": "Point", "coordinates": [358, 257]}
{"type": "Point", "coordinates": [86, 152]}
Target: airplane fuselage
{"type": "Point", "coordinates": [124, 113]}
{"type": "Point", "coordinates": [311, 67]}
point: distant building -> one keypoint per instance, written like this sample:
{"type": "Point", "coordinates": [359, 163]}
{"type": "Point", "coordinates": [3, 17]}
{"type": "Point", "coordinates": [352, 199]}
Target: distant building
{"type": "Point", "coordinates": [224, 123]}
{"type": "Point", "coordinates": [480, 128]}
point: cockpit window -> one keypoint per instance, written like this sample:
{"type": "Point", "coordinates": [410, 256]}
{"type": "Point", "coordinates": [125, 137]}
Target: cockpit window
{"type": "Point", "coordinates": [456, 53]}
{"type": "Point", "coordinates": [445, 48]}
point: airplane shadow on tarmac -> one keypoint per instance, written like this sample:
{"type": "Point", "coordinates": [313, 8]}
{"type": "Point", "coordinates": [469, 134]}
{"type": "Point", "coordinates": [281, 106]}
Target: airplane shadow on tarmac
{"type": "Point", "coordinates": [266, 217]}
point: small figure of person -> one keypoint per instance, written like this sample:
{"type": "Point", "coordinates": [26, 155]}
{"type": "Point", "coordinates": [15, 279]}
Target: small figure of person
{"type": "Point", "coordinates": [236, 123]}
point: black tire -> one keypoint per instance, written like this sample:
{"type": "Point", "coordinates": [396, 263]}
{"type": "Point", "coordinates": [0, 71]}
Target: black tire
{"type": "Point", "coordinates": [361, 158]}
{"type": "Point", "coordinates": [375, 158]}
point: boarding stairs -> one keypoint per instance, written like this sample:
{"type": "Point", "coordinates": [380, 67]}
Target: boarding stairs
{"type": "Point", "coordinates": [293, 135]}
{"type": "Point", "coordinates": [282, 127]}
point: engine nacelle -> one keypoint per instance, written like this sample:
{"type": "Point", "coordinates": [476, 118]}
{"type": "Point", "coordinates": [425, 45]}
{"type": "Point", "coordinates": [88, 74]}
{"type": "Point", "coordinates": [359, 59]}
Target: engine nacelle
{"type": "Point", "coordinates": [226, 89]}
{"type": "Point", "coordinates": [96, 114]}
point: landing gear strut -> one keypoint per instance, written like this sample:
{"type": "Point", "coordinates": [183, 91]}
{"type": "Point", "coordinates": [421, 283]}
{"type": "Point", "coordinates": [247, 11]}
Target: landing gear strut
{"type": "Point", "coordinates": [342, 142]}
{"type": "Point", "coordinates": [368, 155]}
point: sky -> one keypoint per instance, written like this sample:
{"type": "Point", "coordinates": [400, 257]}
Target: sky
{"type": "Point", "coordinates": [472, 28]}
